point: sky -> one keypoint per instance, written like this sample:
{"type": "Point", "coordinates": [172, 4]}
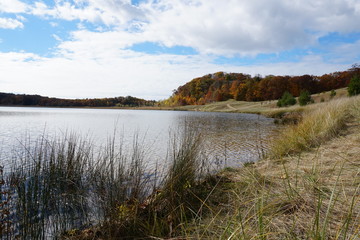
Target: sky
{"type": "Point", "coordinates": [148, 48]}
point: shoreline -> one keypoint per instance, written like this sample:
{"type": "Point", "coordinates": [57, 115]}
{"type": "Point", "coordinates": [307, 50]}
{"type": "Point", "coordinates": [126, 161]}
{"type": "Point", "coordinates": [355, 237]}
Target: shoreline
{"type": "Point", "coordinates": [307, 187]}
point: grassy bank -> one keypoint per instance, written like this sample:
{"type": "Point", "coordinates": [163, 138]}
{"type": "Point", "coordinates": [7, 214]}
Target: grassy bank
{"type": "Point", "coordinates": [308, 188]}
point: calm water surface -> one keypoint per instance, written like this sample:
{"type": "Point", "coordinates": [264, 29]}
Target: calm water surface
{"type": "Point", "coordinates": [229, 137]}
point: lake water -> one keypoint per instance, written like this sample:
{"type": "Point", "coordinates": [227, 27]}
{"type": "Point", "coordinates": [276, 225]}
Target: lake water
{"type": "Point", "coordinates": [229, 137]}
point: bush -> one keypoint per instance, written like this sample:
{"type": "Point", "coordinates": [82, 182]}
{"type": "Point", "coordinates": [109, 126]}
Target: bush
{"type": "Point", "coordinates": [354, 86]}
{"type": "Point", "coordinates": [305, 98]}
{"type": "Point", "coordinates": [286, 100]}
{"type": "Point", "coordinates": [332, 93]}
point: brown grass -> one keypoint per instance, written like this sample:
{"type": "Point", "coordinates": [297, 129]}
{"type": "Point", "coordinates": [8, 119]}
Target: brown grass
{"type": "Point", "coordinates": [267, 108]}
{"type": "Point", "coordinates": [321, 122]}
{"type": "Point", "coordinates": [313, 194]}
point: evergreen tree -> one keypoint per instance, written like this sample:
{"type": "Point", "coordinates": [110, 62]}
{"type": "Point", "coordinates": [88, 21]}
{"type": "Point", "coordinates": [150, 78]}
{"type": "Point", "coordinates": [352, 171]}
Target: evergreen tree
{"type": "Point", "coordinates": [305, 98]}
{"type": "Point", "coordinates": [286, 100]}
{"type": "Point", "coordinates": [354, 86]}
{"type": "Point", "coordinates": [332, 93]}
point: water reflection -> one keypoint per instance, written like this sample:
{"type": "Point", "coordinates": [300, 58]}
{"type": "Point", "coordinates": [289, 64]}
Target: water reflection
{"type": "Point", "coordinates": [233, 138]}
{"type": "Point", "coordinates": [230, 138]}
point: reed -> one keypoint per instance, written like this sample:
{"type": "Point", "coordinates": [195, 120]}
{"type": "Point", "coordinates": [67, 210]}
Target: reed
{"type": "Point", "coordinates": [65, 185]}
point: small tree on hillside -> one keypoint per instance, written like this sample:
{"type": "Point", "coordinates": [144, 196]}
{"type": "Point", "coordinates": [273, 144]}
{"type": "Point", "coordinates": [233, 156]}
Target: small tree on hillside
{"type": "Point", "coordinates": [354, 86]}
{"type": "Point", "coordinates": [332, 93]}
{"type": "Point", "coordinates": [286, 100]}
{"type": "Point", "coordinates": [305, 98]}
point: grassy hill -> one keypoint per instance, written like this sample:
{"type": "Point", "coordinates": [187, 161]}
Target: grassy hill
{"type": "Point", "coordinates": [267, 108]}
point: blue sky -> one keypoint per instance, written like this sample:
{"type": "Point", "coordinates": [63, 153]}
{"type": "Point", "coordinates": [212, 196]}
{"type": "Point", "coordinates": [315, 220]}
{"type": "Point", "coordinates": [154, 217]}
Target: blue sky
{"type": "Point", "coordinates": [147, 48]}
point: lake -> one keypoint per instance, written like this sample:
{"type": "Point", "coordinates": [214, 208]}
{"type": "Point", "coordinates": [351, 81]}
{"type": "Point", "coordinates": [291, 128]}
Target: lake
{"type": "Point", "coordinates": [228, 137]}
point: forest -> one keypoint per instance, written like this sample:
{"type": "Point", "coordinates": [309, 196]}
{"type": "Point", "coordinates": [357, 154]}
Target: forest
{"type": "Point", "coordinates": [10, 99]}
{"type": "Point", "coordinates": [222, 86]}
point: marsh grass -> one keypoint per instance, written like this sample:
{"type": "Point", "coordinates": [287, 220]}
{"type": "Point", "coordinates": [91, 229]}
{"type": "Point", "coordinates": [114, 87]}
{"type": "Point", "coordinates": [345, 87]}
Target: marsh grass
{"type": "Point", "coordinates": [63, 188]}
{"type": "Point", "coordinates": [5, 208]}
{"type": "Point", "coordinates": [49, 184]}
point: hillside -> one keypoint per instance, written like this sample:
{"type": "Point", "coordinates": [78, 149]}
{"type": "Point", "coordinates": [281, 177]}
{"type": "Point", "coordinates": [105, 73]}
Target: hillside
{"type": "Point", "coordinates": [222, 86]}
{"type": "Point", "coordinates": [267, 108]}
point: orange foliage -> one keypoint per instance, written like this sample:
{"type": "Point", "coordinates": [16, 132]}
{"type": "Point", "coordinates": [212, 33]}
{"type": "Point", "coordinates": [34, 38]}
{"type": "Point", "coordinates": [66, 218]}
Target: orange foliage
{"type": "Point", "coordinates": [222, 86]}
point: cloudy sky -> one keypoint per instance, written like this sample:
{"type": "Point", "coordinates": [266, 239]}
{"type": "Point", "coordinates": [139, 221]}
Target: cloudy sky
{"type": "Point", "coordinates": [147, 48]}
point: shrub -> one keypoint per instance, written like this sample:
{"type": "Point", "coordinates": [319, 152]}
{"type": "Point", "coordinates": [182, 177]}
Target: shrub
{"type": "Point", "coordinates": [332, 93]}
{"type": "Point", "coordinates": [354, 86]}
{"type": "Point", "coordinates": [305, 98]}
{"type": "Point", "coordinates": [286, 100]}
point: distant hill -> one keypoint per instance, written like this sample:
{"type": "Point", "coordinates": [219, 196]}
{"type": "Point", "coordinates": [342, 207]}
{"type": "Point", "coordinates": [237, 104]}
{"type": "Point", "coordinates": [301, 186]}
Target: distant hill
{"type": "Point", "coordinates": [223, 86]}
{"type": "Point", "coordinates": [10, 99]}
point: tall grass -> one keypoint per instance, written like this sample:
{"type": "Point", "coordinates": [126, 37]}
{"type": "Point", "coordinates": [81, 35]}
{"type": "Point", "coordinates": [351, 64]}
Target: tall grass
{"type": "Point", "coordinates": [5, 214]}
{"type": "Point", "coordinates": [63, 186]}
{"type": "Point", "coordinates": [320, 122]}
{"type": "Point", "coordinates": [308, 195]}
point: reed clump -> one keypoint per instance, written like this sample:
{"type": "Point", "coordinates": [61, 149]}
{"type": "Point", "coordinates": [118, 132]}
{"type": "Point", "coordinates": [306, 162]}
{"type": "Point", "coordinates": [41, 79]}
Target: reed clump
{"type": "Point", "coordinates": [63, 188]}
{"type": "Point", "coordinates": [5, 214]}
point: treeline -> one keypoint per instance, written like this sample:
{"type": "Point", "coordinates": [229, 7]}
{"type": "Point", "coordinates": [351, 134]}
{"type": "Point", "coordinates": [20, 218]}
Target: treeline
{"type": "Point", "coordinates": [10, 99]}
{"type": "Point", "coordinates": [222, 86]}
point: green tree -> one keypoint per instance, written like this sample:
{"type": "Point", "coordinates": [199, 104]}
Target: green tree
{"type": "Point", "coordinates": [305, 98]}
{"type": "Point", "coordinates": [286, 100]}
{"type": "Point", "coordinates": [332, 93]}
{"type": "Point", "coordinates": [354, 86]}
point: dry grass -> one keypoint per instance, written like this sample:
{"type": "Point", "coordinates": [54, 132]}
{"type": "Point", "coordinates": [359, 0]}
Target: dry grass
{"type": "Point", "coordinates": [321, 122]}
{"type": "Point", "coordinates": [310, 195]}
{"type": "Point", "coordinates": [267, 108]}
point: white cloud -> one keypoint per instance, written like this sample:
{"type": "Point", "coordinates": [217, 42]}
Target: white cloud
{"type": "Point", "coordinates": [98, 64]}
{"type": "Point", "coordinates": [56, 37]}
{"type": "Point", "coordinates": [248, 27]}
{"type": "Point", "coordinates": [217, 27]}
{"type": "Point", "coordinates": [53, 24]}
{"type": "Point", "coordinates": [13, 6]}
{"type": "Point", "coordinates": [108, 12]}
{"type": "Point", "coordinates": [10, 23]}
{"type": "Point", "coordinates": [21, 18]}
